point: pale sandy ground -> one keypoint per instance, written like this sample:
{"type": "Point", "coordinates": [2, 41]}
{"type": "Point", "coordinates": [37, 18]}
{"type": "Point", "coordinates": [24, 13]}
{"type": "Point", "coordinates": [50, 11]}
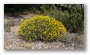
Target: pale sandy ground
{"type": "Point", "coordinates": [13, 41]}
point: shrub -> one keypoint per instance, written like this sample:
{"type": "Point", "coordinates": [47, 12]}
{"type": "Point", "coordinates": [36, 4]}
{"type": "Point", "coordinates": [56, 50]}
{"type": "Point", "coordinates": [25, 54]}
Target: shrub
{"type": "Point", "coordinates": [70, 15]}
{"type": "Point", "coordinates": [42, 28]}
{"type": "Point", "coordinates": [72, 18]}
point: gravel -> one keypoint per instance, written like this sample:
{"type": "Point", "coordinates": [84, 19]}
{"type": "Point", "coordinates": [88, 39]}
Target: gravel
{"type": "Point", "coordinates": [13, 41]}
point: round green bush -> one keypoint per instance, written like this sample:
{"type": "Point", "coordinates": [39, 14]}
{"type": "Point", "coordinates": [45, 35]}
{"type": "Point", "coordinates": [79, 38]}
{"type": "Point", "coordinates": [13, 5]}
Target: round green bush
{"type": "Point", "coordinates": [41, 27]}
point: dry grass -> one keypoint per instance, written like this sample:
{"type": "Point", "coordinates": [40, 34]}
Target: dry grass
{"type": "Point", "coordinates": [73, 40]}
{"type": "Point", "coordinates": [10, 22]}
{"type": "Point", "coordinates": [12, 41]}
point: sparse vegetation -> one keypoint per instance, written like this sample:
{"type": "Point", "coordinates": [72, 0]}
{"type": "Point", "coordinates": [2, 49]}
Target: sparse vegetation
{"type": "Point", "coordinates": [72, 39]}
{"type": "Point", "coordinates": [7, 29]}
{"type": "Point", "coordinates": [40, 29]}
{"type": "Point", "coordinates": [5, 45]}
{"type": "Point", "coordinates": [71, 15]}
{"type": "Point", "coordinates": [10, 22]}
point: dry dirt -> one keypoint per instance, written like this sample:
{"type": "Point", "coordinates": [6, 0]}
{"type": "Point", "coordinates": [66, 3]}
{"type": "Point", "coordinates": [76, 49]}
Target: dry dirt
{"type": "Point", "coordinates": [13, 41]}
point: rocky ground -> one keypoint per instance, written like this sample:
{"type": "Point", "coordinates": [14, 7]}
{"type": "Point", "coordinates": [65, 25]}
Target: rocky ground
{"type": "Point", "coordinates": [13, 41]}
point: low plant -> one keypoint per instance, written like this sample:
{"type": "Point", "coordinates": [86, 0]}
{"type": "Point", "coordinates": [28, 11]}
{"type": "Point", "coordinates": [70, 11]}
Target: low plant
{"type": "Point", "coordinates": [41, 27]}
{"type": "Point", "coordinates": [8, 24]}
{"type": "Point", "coordinates": [74, 40]}
{"type": "Point", "coordinates": [5, 45]}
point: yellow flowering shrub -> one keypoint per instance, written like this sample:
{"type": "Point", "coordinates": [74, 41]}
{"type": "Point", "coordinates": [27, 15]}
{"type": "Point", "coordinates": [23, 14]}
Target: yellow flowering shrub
{"type": "Point", "coordinates": [41, 27]}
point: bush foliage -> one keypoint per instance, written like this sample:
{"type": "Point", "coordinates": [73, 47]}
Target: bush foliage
{"type": "Point", "coordinates": [71, 15]}
{"type": "Point", "coordinates": [41, 27]}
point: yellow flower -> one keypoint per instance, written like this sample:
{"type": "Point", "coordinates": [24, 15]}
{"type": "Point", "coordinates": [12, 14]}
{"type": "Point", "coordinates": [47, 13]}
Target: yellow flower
{"type": "Point", "coordinates": [41, 27]}
{"type": "Point", "coordinates": [44, 32]}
